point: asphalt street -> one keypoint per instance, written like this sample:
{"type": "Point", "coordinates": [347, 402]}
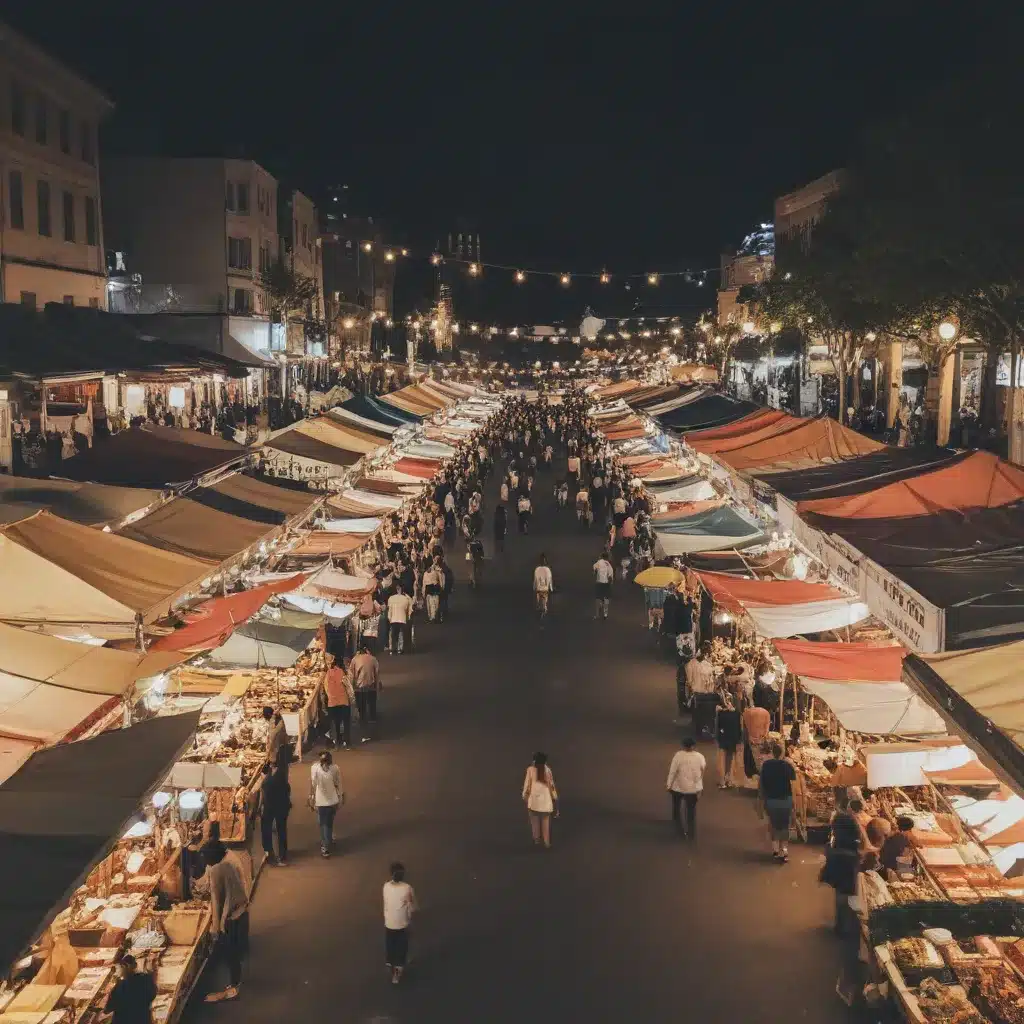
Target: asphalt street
{"type": "Point", "coordinates": [620, 920]}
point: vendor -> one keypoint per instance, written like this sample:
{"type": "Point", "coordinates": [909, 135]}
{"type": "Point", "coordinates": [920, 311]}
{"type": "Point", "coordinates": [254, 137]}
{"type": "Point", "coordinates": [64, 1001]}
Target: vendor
{"type": "Point", "coordinates": [277, 733]}
{"type": "Point", "coordinates": [896, 852]}
{"type": "Point", "coordinates": [131, 999]}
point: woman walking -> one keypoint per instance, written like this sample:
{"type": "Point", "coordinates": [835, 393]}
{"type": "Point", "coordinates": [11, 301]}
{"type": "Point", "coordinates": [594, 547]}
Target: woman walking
{"type": "Point", "coordinates": [541, 799]}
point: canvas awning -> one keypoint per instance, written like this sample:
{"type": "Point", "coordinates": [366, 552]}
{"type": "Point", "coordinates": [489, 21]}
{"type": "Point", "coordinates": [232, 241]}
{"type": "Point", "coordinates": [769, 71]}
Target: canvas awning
{"type": "Point", "coordinates": [981, 480]}
{"type": "Point", "coordinates": [294, 442]}
{"type": "Point", "coordinates": [191, 528]}
{"type": "Point", "coordinates": [713, 529]}
{"type": "Point", "coordinates": [256, 499]}
{"type": "Point", "coordinates": [372, 409]}
{"type": "Point", "coordinates": [258, 644]}
{"type": "Point", "coordinates": [144, 458]}
{"type": "Point", "coordinates": [68, 573]}
{"type": "Point", "coordinates": [753, 421]}
{"type": "Point", "coordinates": [866, 662]}
{"type": "Point", "coordinates": [707, 411]}
{"type": "Point", "coordinates": [63, 809]}
{"type": "Point", "coordinates": [89, 504]}
{"type": "Point", "coordinates": [385, 431]}
{"type": "Point", "coordinates": [422, 469]}
{"type": "Point", "coordinates": [781, 608]}
{"type": "Point", "coordinates": [365, 526]}
{"type": "Point", "coordinates": [810, 441]}
{"type": "Point", "coordinates": [694, 488]}
{"type": "Point", "coordinates": [210, 624]}
{"type": "Point", "coordinates": [339, 436]}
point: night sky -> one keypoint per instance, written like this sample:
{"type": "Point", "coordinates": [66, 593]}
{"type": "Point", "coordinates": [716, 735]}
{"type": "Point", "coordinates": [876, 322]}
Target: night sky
{"type": "Point", "coordinates": [624, 141]}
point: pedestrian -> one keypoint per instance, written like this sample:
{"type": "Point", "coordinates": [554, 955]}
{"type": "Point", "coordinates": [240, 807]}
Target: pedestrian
{"type": "Point", "coordinates": [276, 803]}
{"type": "Point", "coordinates": [131, 999]}
{"type": "Point", "coordinates": [603, 576]}
{"type": "Point", "coordinates": [399, 612]}
{"type": "Point", "coordinates": [842, 862]}
{"type": "Point", "coordinates": [364, 670]}
{"type": "Point", "coordinates": [543, 585]}
{"type": "Point", "coordinates": [541, 799]}
{"type": "Point", "coordinates": [277, 734]}
{"type": "Point", "coordinates": [685, 784]}
{"type": "Point", "coordinates": [326, 794]}
{"type": "Point", "coordinates": [500, 526]}
{"type": "Point", "coordinates": [229, 919]}
{"type": "Point", "coordinates": [340, 698]}
{"type": "Point", "coordinates": [476, 562]}
{"type": "Point", "coordinates": [524, 507]}
{"type": "Point", "coordinates": [775, 793]}
{"type": "Point", "coordinates": [433, 579]}
{"type": "Point", "coordinates": [728, 732]}
{"type": "Point", "coordinates": [399, 907]}
{"type": "Point", "coordinates": [447, 586]}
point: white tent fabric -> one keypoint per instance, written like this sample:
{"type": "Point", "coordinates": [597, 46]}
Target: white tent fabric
{"type": "Point", "coordinates": [38, 711]}
{"type": "Point", "coordinates": [429, 450]}
{"type": "Point", "coordinates": [670, 545]}
{"type": "Point", "coordinates": [882, 709]}
{"type": "Point", "coordinates": [13, 754]}
{"type": "Point", "coordinates": [700, 490]}
{"type": "Point", "coordinates": [332, 579]}
{"type": "Point", "coordinates": [989, 817]}
{"type": "Point", "coordinates": [812, 617]}
{"type": "Point", "coordinates": [334, 611]}
{"type": "Point", "coordinates": [351, 525]}
{"type": "Point", "coordinates": [361, 421]}
{"type": "Point", "coordinates": [674, 403]}
{"type": "Point", "coordinates": [372, 499]}
{"type": "Point", "coordinates": [241, 651]}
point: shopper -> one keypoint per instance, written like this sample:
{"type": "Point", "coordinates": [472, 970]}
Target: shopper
{"type": "Point", "coordinates": [364, 670]}
{"type": "Point", "coordinates": [604, 574]}
{"type": "Point", "coordinates": [776, 796]}
{"type": "Point", "coordinates": [399, 907]}
{"type": "Point", "coordinates": [399, 613]}
{"type": "Point", "coordinates": [131, 999]}
{"type": "Point", "coordinates": [543, 585]}
{"type": "Point", "coordinates": [229, 920]}
{"type": "Point", "coordinates": [447, 586]}
{"type": "Point", "coordinates": [433, 580]}
{"type": "Point", "coordinates": [277, 733]}
{"type": "Point", "coordinates": [728, 733]}
{"type": "Point", "coordinates": [541, 799]}
{"type": "Point", "coordinates": [685, 784]}
{"type": "Point", "coordinates": [476, 562]}
{"type": "Point", "coordinates": [340, 698]}
{"type": "Point", "coordinates": [524, 507]}
{"type": "Point", "coordinates": [500, 526]}
{"type": "Point", "coordinates": [842, 862]}
{"type": "Point", "coordinates": [326, 794]}
{"type": "Point", "coordinates": [276, 797]}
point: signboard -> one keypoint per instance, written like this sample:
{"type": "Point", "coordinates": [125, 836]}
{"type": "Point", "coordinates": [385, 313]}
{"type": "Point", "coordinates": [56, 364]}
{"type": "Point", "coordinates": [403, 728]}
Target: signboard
{"type": "Point", "coordinates": [843, 561]}
{"type": "Point", "coordinates": [916, 622]}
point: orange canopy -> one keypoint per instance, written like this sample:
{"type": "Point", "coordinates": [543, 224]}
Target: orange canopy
{"type": "Point", "coordinates": [817, 440]}
{"type": "Point", "coordinates": [737, 594]}
{"type": "Point", "coordinates": [744, 425]}
{"type": "Point", "coordinates": [982, 480]}
{"type": "Point", "coordinates": [423, 468]}
{"type": "Point", "coordinates": [974, 773]}
{"type": "Point", "coordinates": [863, 662]}
{"type": "Point", "coordinates": [760, 432]}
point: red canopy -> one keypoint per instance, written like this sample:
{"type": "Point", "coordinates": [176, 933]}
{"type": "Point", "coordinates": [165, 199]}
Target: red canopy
{"type": "Point", "coordinates": [423, 468]}
{"type": "Point", "coordinates": [744, 425]}
{"type": "Point", "coordinates": [213, 622]}
{"type": "Point", "coordinates": [808, 441]}
{"type": "Point", "coordinates": [974, 773]}
{"type": "Point", "coordinates": [982, 480]}
{"type": "Point", "coordinates": [738, 593]}
{"type": "Point", "coordinates": [861, 662]}
{"type": "Point", "coordinates": [758, 432]}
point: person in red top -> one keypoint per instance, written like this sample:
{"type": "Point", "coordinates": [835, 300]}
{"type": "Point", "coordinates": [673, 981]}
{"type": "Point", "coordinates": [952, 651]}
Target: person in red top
{"type": "Point", "coordinates": [340, 697]}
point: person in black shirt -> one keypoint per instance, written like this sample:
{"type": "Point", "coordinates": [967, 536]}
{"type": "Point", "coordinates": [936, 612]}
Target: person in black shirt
{"type": "Point", "coordinates": [776, 792]}
{"type": "Point", "coordinates": [132, 996]}
{"type": "Point", "coordinates": [728, 732]}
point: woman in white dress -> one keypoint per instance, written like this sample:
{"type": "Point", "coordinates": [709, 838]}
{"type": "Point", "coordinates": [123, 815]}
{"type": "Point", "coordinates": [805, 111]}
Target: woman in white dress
{"type": "Point", "coordinates": [541, 799]}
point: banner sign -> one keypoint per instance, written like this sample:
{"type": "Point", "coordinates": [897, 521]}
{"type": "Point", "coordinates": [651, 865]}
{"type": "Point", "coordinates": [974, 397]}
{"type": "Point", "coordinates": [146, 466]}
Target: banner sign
{"type": "Point", "coordinates": [915, 621]}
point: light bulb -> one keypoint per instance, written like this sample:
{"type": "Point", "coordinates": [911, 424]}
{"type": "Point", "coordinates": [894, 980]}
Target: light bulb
{"type": "Point", "coordinates": [389, 257]}
{"type": "Point", "coordinates": [652, 279]}
{"type": "Point", "coordinates": [947, 331]}
{"type": "Point", "coordinates": [520, 277]}
{"type": "Point", "coordinates": [435, 259]}
{"type": "Point", "coordinates": [565, 280]}
{"type": "Point", "coordinates": [367, 246]}
{"type": "Point", "coordinates": [405, 252]}
{"type": "Point", "coordinates": [474, 269]}
{"type": "Point", "coordinates": [605, 278]}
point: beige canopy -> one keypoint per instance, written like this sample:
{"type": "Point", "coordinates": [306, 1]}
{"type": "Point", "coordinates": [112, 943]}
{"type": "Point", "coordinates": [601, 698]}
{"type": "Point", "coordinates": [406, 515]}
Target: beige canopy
{"type": "Point", "coordinates": [57, 571]}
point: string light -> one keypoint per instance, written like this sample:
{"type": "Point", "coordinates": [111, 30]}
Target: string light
{"type": "Point", "coordinates": [435, 260]}
{"type": "Point", "coordinates": [520, 277]}
{"type": "Point", "coordinates": [605, 277]}
{"type": "Point", "coordinates": [675, 331]}
{"type": "Point", "coordinates": [652, 279]}
{"type": "Point", "coordinates": [474, 269]}
{"type": "Point", "coordinates": [474, 328]}
{"type": "Point", "coordinates": [367, 246]}
{"type": "Point", "coordinates": [405, 252]}
{"type": "Point", "coordinates": [564, 280]}
{"type": "Point", "coordinates": [456, 328]}
{"type": "Point", "coordinates": [389, 257]}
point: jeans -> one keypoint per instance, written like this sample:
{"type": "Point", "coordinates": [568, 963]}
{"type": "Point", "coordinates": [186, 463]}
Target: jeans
{"type": "Point", "coordinates": [690, 799]}
{"type": "Point", "coordinates": [231, 944]}
{"type": "Point", "coordinates": [366, 703]}
{"type": "Point", "coordinates": [325, 816]}
{"type": "Point", "coordinates": [401, 629]}
{"type": "Point", "coordinates": [341, 719]}
{"type": "Point", "coordinates": [268, 820]}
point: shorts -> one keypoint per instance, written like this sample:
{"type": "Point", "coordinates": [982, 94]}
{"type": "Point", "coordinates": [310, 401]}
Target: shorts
{"type": "Point", "coordinates": [396, 946]}
{"type": "Point", "coordinates": [602, 591]}
{"type": "Point", "coordinates": [779, 814]}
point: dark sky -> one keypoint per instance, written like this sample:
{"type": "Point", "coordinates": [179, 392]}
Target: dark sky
{"type": "Point", "coordinates": [628, 141]}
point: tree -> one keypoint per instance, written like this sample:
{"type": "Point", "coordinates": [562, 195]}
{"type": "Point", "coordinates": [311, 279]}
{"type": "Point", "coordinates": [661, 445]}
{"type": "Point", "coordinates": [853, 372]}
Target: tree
{"type": "Point", "coordinates": [286, 292]}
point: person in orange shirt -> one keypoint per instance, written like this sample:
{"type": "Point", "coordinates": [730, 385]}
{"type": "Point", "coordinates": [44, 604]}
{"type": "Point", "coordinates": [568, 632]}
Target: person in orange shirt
{"type": "Point", "coordinates": [340, 697]}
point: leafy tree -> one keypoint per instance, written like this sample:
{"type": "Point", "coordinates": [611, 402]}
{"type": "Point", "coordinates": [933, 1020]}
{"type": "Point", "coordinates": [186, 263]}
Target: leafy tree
{"type": "Point", "coordinates": [287, 292]}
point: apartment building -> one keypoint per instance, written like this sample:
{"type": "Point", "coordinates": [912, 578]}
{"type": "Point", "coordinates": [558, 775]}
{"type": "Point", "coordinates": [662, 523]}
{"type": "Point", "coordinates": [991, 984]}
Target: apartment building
{"type": "Point", "coordinates": [200, 232]}
{"type": "Point", "coordinates": [302, 251]}
{"type": "Point", "coordinates": [51, 224]}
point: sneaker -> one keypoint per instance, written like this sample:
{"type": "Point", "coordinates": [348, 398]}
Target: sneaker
{"type": "Point", "coordinates": [783, 858]}
{"type": "Point", "coordinates": [365, 739]}
{"type": "Point", "coordinates": [723, 785]}
{"type": "Point", "coordinates": [324, 853]}
{"type": "Point", "coordinates": [282, 863]}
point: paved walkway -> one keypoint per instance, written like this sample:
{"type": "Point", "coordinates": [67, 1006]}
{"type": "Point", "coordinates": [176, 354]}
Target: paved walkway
{"type": "Point", "coordinates": [620, 921]}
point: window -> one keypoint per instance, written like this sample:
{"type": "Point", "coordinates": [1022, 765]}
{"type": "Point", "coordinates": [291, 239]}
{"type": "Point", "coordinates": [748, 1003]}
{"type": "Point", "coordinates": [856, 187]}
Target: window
{"type": "Point", "coordinates": [43, 202]}
{"type": "Point", "coordinates": [91, 235]}
{"type": "Point", "coordinates": [241, 300]}
{"type": "Point", "coordinates": [240, 253]}
{"type": "Point", "coordinates": [69, 217]}
{"type": "Point", "coordinates": [94, 303]}
{"type": "Point", "coordinates": [88, 149]}
{"type": "Point", "coordinates": [265, 262]}
{"type": "Point", "coordinates": [64, 130]}
{"type": "Point", "coordinates": [305, 244]}
{"type": "Point", "coordinates": [17, 192]}
{"type": "Point", "coordinates": [28, 299]}
{"type": "Point", "coordinates": [243, 197]}
{"type": "Point", "coordinates": [41, 113]}
{"type": "Point", "coordinates": [69, 300]}
{"type": "Point", "coordinates": [229, 196]}
{"type": "Point", "coordinates": [18, 109]}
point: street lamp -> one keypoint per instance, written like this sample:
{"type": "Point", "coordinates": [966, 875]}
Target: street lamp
{"type": "Point", "coordinates": [748, 327]}
{"type": "Point", "coordinates": [367, 246]}
{"type": "Point", "coordinates": [947, 331]}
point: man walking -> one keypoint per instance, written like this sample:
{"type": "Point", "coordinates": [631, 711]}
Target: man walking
{"type": "Point", "coordinates": [524, 507]}
{"type": "Point", "coordinates": [364, 670]}
{"type": "Point", "coordinates": [685, 784]}
{"type": "Point", "coordinates": [340, 698]}
{"type": "Point", "coordinates": [325, 796]}
{"type": "Point", "coordinates": [543, 584]}
{"type": "Point", "coordinates": [399, 610]}
{"type": "Point", "coordinates": [399, 906]}
{"type": "Point", "coordinates": [604, 573]}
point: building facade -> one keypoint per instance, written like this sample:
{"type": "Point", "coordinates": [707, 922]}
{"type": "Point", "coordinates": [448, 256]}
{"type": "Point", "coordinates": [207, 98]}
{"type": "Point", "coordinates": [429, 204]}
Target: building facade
{"type": "Point", "coordinates": [302, 252]}
{"type": "Point", "coordinates": [798, 211]}
{"type": "Point", "coordinates": [199, 232]}
{"type": "Point", "coordinates": [51, 233]}
{"type": "Point", "coordinates": [750, 264]}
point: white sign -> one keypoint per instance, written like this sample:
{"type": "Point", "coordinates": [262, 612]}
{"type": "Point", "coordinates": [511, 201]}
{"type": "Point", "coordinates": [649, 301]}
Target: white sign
{"type": "Point", "coordinates": [915, 621]}
{"type": "Point", "coordinates": [842, 560]}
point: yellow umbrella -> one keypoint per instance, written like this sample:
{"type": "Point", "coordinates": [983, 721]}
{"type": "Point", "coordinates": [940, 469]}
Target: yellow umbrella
{"type": "Point", "coordinates": [659, 576]}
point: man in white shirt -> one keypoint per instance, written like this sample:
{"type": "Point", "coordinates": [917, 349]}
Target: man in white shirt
{"type": "Point", "coordinates": [524, 506]}
{"type": "Point", "coordinates": [399, 906]}
{"type": "Point", "coordinates": [574, 469]}
{"type": "Point", "coordinates": [399, 611]}
{"type": "Point", "coordinates": [685, 784]}
{"type": "Point", "coordinates": [603, 576]}
{"type": "Point", "coordinates": [700, 682]}
{"type": "Point", "coordinates": [326, 794]}
{"type": "Point", "coordinates": [583, 506]}
{"type": "Point", "coordinates": [543, 584]}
